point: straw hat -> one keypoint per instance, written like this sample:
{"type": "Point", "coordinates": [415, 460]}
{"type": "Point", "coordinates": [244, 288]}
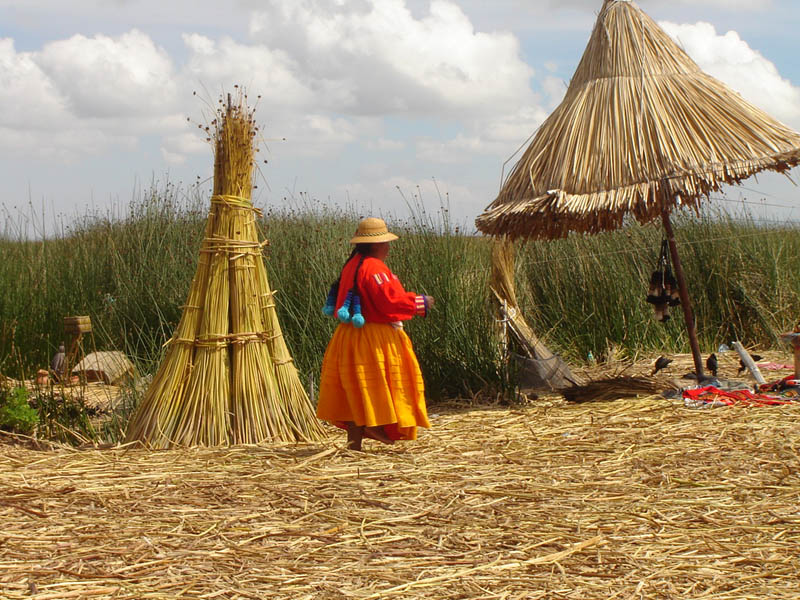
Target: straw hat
{"type": "Point", "coordinates": [372, 231]}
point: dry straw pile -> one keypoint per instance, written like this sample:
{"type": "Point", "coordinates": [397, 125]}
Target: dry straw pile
{"type": "Point", "coordinates": [641, 129]}
{"type": "Point", "coordinates": [626, 499]}
{"type": "Point", "coordinates": [227, 377]}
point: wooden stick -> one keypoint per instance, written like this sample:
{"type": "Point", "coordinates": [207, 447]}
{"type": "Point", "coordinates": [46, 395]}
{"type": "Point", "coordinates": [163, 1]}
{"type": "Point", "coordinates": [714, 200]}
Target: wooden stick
{"type": "Point", "coordinates": [748, 362]}
{"type": "Point", "coordinates": [684, 292]}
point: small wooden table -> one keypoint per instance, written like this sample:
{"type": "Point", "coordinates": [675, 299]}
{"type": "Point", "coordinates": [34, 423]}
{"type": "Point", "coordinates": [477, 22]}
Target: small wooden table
{"type": "Point", "coordinates": [75, 327]}
{"type": "Point", "coordinates": [793, 338]}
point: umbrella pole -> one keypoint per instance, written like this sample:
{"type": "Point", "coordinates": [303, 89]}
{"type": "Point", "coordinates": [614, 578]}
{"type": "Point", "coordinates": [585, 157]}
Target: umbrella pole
{"type": "Point", "coordinates": [684, 292]}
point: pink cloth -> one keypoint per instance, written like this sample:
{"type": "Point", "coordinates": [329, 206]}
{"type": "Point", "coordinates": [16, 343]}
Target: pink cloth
{"type": "Point", "coordinates": [771, 366]}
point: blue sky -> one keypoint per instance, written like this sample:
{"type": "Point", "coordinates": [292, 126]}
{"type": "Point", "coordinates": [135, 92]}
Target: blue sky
{"type": "Point", "coordinates": [370, 95]}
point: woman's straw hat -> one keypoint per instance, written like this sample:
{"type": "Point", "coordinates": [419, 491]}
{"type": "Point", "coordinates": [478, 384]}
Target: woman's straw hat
{"type": "Point", "coordinates": [372, 231]}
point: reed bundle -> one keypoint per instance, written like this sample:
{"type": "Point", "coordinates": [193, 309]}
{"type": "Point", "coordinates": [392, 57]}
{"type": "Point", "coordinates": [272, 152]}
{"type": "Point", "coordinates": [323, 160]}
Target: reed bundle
{"type": "Point", "coordinates": [628, 499]}
{"type": "Point", "coordinates": [227, 376]}
{"type": "Point", "coordinates": [641, 129]}
{"type": "Point", "coordinates": [613, 388]}
{"type": "Point", "coordinates": [557, 374]}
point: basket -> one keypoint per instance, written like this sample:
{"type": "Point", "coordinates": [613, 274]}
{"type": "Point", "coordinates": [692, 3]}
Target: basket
{"type": "Point", "coordinates": [76, 325]}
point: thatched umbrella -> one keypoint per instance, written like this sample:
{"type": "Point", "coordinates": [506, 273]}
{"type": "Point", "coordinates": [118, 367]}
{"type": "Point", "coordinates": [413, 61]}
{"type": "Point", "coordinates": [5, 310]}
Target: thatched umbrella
{"type": "Point", "coordinates": [641, 131]}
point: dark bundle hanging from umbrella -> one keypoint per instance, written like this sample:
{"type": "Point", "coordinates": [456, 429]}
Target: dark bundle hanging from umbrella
{"type": "Point", "coordinates": [641, 131]}
{"type": "Point", "coordinates": [663, 291]}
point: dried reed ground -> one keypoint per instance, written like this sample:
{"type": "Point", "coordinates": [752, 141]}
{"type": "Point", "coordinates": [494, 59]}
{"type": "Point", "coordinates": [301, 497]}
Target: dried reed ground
{"type": "Point", "coordinates": [625, 499]}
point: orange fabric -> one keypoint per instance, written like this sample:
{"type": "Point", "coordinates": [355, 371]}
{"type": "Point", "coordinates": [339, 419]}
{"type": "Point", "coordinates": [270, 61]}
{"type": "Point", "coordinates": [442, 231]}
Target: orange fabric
{"type": "Point", "coordinates": [383, 298]}
{"type": "Point", "coordinates": [371, 376]}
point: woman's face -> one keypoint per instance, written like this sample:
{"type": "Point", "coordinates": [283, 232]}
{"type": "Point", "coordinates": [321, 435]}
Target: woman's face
{"type": "Point", "coordinates": [380, 251]}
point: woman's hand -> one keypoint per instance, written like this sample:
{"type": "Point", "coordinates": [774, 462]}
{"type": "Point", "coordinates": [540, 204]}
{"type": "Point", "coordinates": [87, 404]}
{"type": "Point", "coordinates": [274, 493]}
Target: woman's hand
{"type": "Point", "coordinates": [429, 302]}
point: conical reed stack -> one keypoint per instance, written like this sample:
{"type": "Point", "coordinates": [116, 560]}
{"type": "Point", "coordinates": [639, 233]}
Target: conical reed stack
{"type": "Point", "coordinates": [227, 376]}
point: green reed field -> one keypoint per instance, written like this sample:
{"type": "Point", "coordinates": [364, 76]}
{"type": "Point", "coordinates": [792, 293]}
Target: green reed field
{"type": "Point", "coordinates": [131, 274]}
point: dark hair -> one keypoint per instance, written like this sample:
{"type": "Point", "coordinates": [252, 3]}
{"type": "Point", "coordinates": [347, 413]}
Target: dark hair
{"type": "Point", "coordinates": [365, 250]}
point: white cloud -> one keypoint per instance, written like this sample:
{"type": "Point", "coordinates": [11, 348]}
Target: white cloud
{"type": "Point", "coordinates": [219, 65]}
{"type": "Point", "coordinates": [493, 135]}
{"type": "Point", "coordinates": [450, 151]}
{"type": "Point", "coordinates": [374, 57]}
{"type": "Point", "coordinates": [554, 88]}
{"type": "Point", "coordinates": [175, 148]}
{"type": "Point", "coordinates": [327, 72]}
{"type": "Point", "coordinates": [745, 5]}
{"type": "Point", "coordinates": [65, 144]}
{"type": "Point", "coordinates": [318, 134]}
{"type": "Point", "coordinates": [395, 195]}
{"type": "Point", "coordinates": [108, 77]}
{"type": "Point", "coordinates": [292, 106]}
{"type": "Point", "coordinates": [29, 99]}
{"type": "Point", "coordinates": [80, 96]}
{"type": "Point", "coordinates": [384, 144]}
{"type": "Point", "coordinates": [323, 129]}
{"type": "Point", "coordinates": [731, 60]}
{"type": "Point", "coordinates": [173, 158]}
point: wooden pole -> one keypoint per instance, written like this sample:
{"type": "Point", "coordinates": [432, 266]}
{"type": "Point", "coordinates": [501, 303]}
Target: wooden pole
{"type": "Point", "coordinates": [684, 292]}
{"type": "Point", "coordinates": [748, 362]}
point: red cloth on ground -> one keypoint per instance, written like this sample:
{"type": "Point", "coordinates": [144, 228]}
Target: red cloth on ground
{"type": "Point", "coordinates": [710, 394]}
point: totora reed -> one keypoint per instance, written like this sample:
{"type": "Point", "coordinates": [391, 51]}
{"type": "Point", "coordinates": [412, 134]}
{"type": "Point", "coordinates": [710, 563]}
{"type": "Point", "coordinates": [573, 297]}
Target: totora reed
{"type": "Point", "coordinates": [227, 376]}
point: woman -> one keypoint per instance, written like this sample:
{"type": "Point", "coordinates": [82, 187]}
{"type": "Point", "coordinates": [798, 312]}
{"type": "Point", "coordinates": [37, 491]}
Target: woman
{"type": "Point", "coordinates": [371, 384]}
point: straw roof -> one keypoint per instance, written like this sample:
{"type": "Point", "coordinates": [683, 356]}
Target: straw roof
{"type": "Point", "coordinates": [108, 366]}
{"type": "Point", "coordinates": [641, 129]}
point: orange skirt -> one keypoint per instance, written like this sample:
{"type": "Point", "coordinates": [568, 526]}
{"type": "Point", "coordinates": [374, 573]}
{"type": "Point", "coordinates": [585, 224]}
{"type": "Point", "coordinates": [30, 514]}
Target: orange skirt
{"type": "Point", "coordinates": [371, 376]}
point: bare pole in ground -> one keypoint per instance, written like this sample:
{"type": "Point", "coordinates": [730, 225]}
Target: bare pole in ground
{"type": "Point", "coordinates": [684, 292]}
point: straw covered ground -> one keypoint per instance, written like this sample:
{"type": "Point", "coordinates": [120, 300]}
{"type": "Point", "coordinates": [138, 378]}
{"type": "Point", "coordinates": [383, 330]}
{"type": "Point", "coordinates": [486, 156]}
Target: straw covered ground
{"type": "Point", "coordinates": [624, 499]}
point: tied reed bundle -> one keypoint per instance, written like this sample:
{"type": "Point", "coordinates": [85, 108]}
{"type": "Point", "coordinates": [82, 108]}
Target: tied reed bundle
{"type": "Point", "coordinates": [641, 130]}
{"type": "Point", "coordinates": [227, 376]}
{"type": "Point", "coordinates": [558, 374]}
{"type": "Point", "coordinates": [613, 388]}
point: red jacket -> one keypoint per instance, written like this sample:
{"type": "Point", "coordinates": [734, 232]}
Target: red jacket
{"type": "Point", "coordinates": [383, 298]}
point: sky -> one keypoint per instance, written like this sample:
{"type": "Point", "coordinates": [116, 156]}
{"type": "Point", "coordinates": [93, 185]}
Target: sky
{"type": "Point", "coordinates": [370, 104]}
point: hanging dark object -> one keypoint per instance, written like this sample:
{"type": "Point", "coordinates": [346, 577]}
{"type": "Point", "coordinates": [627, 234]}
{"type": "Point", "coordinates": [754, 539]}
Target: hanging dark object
{"type": "Point", "coordinates": [663, 291]}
